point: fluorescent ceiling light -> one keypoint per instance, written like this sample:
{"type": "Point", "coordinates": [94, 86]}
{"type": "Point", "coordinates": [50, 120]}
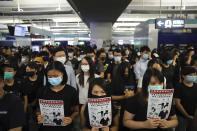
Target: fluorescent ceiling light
{"type": "Point", "coordinates": [132, 19]}
{"type": "Point", "coordinates": [10, 21]}
{"type": "Point", "coordinates": [62, 38]}
{"type": "Point", "coordinates": [84, 38]}
{"type": "Point", "coordinates": [74, 29]}
{"type": "Point", "coordinates": [68, 19]}
{"type": "Point", "coordinates": [40, 39]}
{"type": "Point", "coordinates": [125, 24]}
{"type": "Point", "coordinates": [125, 29]}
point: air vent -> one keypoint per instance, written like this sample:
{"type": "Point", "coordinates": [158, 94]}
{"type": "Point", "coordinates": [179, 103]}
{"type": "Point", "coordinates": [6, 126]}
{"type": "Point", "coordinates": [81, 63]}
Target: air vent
{"type": "Point", "coordinates": [39, 20]}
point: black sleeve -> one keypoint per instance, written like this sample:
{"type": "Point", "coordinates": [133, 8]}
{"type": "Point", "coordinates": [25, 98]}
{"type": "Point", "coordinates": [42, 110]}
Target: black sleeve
{"type": "Point", "coordinates": [177, 91]}
{"type": "Point", "coordinates": [75, 98]}
{"type": "Point", "coordinates": [172, 111]}
{"type": "Point", "coordinates": [16, 115]}
{"type": "Point", "coordinates": [109, 69]}
{"type": "Point", "coordinates": [22, 86]}
{"type": "Point", "coordinates": [132, 105]}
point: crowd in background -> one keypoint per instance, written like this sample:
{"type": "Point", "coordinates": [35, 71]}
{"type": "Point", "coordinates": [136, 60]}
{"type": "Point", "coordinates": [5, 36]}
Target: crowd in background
{"type": "Point", "coordinates": [75, 73]}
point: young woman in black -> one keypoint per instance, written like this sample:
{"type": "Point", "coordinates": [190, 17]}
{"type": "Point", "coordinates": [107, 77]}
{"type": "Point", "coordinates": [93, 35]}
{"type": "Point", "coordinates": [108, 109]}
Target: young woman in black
{"type": "Point", "coordinates": [135, 116]}
{"type": "Point", "coordinates": [98, 89]}
{"type": "Point", "coordinates": [57, 89]}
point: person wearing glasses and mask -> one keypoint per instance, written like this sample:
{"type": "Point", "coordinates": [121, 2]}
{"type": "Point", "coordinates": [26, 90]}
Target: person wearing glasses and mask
{"type": "Point", "coordinates": [60, 55]}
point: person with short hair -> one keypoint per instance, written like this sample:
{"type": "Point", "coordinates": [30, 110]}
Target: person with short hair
{"type": "Point", "coordinates": [12, 116]}
{"type": "Point", "coordinates": [141, 65]}
{"type": "Point", "coordinates": [185, 98]}
{"type": "Point", "coordinates": [59, 54]}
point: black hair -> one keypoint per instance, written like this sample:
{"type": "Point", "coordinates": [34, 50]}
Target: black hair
{"type": "Point", "coordinates": [70, 50]}
{"type": "Point", "coordinates": [188, 70]}
{"type": "Point", "coordinates": [1, 71]}
{"type": "Point", "coordinates": [101, 83]}
{"type": "Point", "coordinates": [91, 71]}
{"type": "Point", "coordinates": [144, 48]}
{"type": "Point", "coordinates": [89, 50]}
{"type": "Point", "coordinates": [110, 50]}
{"type": "Point", "coordinates": [44, 54]}
{"type": "Point", "coordinates": [150, 72]}
{"type": "Point", "coordinates": [99, 52]}
{"type": "Point", "coordinates": [11, 62]}
{"type": "Point", "coordinates": [152, 62]}
{"type": "Point", "coordinates": [166, 55]}
{"type": "Point", "coordinates": [118, 51]}
{"type": "Point", "coordinates": [58, 49]}
{"type": "Point", "coordinates": [33, 65]}
{"type": "Point", "coordinates": [25, 53]}
{"type": "Point", "coordinates": [57, 66]}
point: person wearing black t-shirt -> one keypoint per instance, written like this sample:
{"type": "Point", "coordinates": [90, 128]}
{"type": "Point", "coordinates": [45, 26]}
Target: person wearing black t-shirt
{"type": "Point", "coordinates": [57, 89]}
{"type": "Point", "coordinates": [12, 117]}
{"type": "Point", "coordinates": [31, 84]}
{"type": "Point", "coordinates": [195, 119]}
{"type": "Point", "coordinates": [135, 116]}
{"type": "Point", "coordinates": [98, 89]}
{"type": "Point", "coordinates": [112, 69]}
{"type": "Point", "coordinates": [168, 68]}
{"type": "Point", "coordinates": [14, 84]}
{"type": "Point", "coordinates": [186, 98]}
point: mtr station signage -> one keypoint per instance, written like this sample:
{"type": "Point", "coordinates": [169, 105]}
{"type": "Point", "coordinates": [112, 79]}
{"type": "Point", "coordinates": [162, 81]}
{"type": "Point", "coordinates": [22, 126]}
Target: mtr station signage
{"type": "Point", "coordinates": [169, 23]}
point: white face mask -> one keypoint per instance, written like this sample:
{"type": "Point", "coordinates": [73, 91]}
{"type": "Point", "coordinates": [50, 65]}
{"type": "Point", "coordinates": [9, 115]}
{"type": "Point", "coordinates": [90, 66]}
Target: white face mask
{"type": "Point", "coordinates": [61, 59]}
{"type": "Point", "coordinates": [85, 68]}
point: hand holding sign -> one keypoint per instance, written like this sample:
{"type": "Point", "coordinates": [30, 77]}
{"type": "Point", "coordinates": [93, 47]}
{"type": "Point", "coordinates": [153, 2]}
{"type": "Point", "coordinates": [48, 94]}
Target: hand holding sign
{"type": "Point", "coordinates": [152, 123]}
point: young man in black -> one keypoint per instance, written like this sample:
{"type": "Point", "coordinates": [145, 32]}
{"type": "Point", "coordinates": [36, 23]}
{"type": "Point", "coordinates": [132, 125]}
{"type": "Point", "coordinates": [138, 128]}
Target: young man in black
{"type": "Point", "coordinates": [185, 99]}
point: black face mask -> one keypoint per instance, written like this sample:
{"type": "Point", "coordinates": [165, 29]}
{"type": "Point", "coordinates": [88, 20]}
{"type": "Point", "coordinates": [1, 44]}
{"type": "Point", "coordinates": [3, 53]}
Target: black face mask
{"type": "Point", "coordinates": [45, 58]}
{"type": "Point", "coordinates": [30, 74]}
{"type": "Point", "coordinates": [103, 58]}
{"type": "Point", "coordinates": [94, 96]}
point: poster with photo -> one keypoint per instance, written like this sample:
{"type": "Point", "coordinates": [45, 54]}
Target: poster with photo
{"type": "Point", "coordinates": [53, 112]}
{"type": "Point", "coordinates": [100, 111]}
{"type": "Point", "coordinates": [159, 103]}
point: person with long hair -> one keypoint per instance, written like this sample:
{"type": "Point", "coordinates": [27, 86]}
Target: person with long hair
{"type": "Point", "coordinates": [85, 76]}
{"type": "Point", "coordinates": [57, 89]}
{"type": "Point", "coordinates": [98, 89]}
{"type": "Point", "coordinates": [135, 116]}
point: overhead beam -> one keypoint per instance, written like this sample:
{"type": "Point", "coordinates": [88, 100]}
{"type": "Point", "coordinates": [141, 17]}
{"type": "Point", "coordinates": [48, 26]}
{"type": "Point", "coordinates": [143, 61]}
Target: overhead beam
{"type": "Point", "coordinates": [194, 11]}
{"type": "Point", "coordinates": [26, 13]}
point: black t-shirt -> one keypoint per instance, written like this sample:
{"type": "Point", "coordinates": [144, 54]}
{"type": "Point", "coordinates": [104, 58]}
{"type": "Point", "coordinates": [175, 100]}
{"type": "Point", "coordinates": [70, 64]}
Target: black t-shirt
{"type": "Point", "coordinates": [169, 75]}
{"type": "Point", "coordinates": [11, 112]}
{"type": "Point", "coordinates": [21, 71]}
{"type": "Point", "coordinates": [16, 88]}
{"type": "Point", "coordinates": [75, 63]}
{"type": "Point", "coordinates": [31, 88]}
{"type": "Point", "coordinates": [99, 67]}
{"type": "Point", "coordinates": [69, 95]}
{"type": "Point", "coordinates": [188, 97]}
{"type": "Point", "coordinates": [134, 106]}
